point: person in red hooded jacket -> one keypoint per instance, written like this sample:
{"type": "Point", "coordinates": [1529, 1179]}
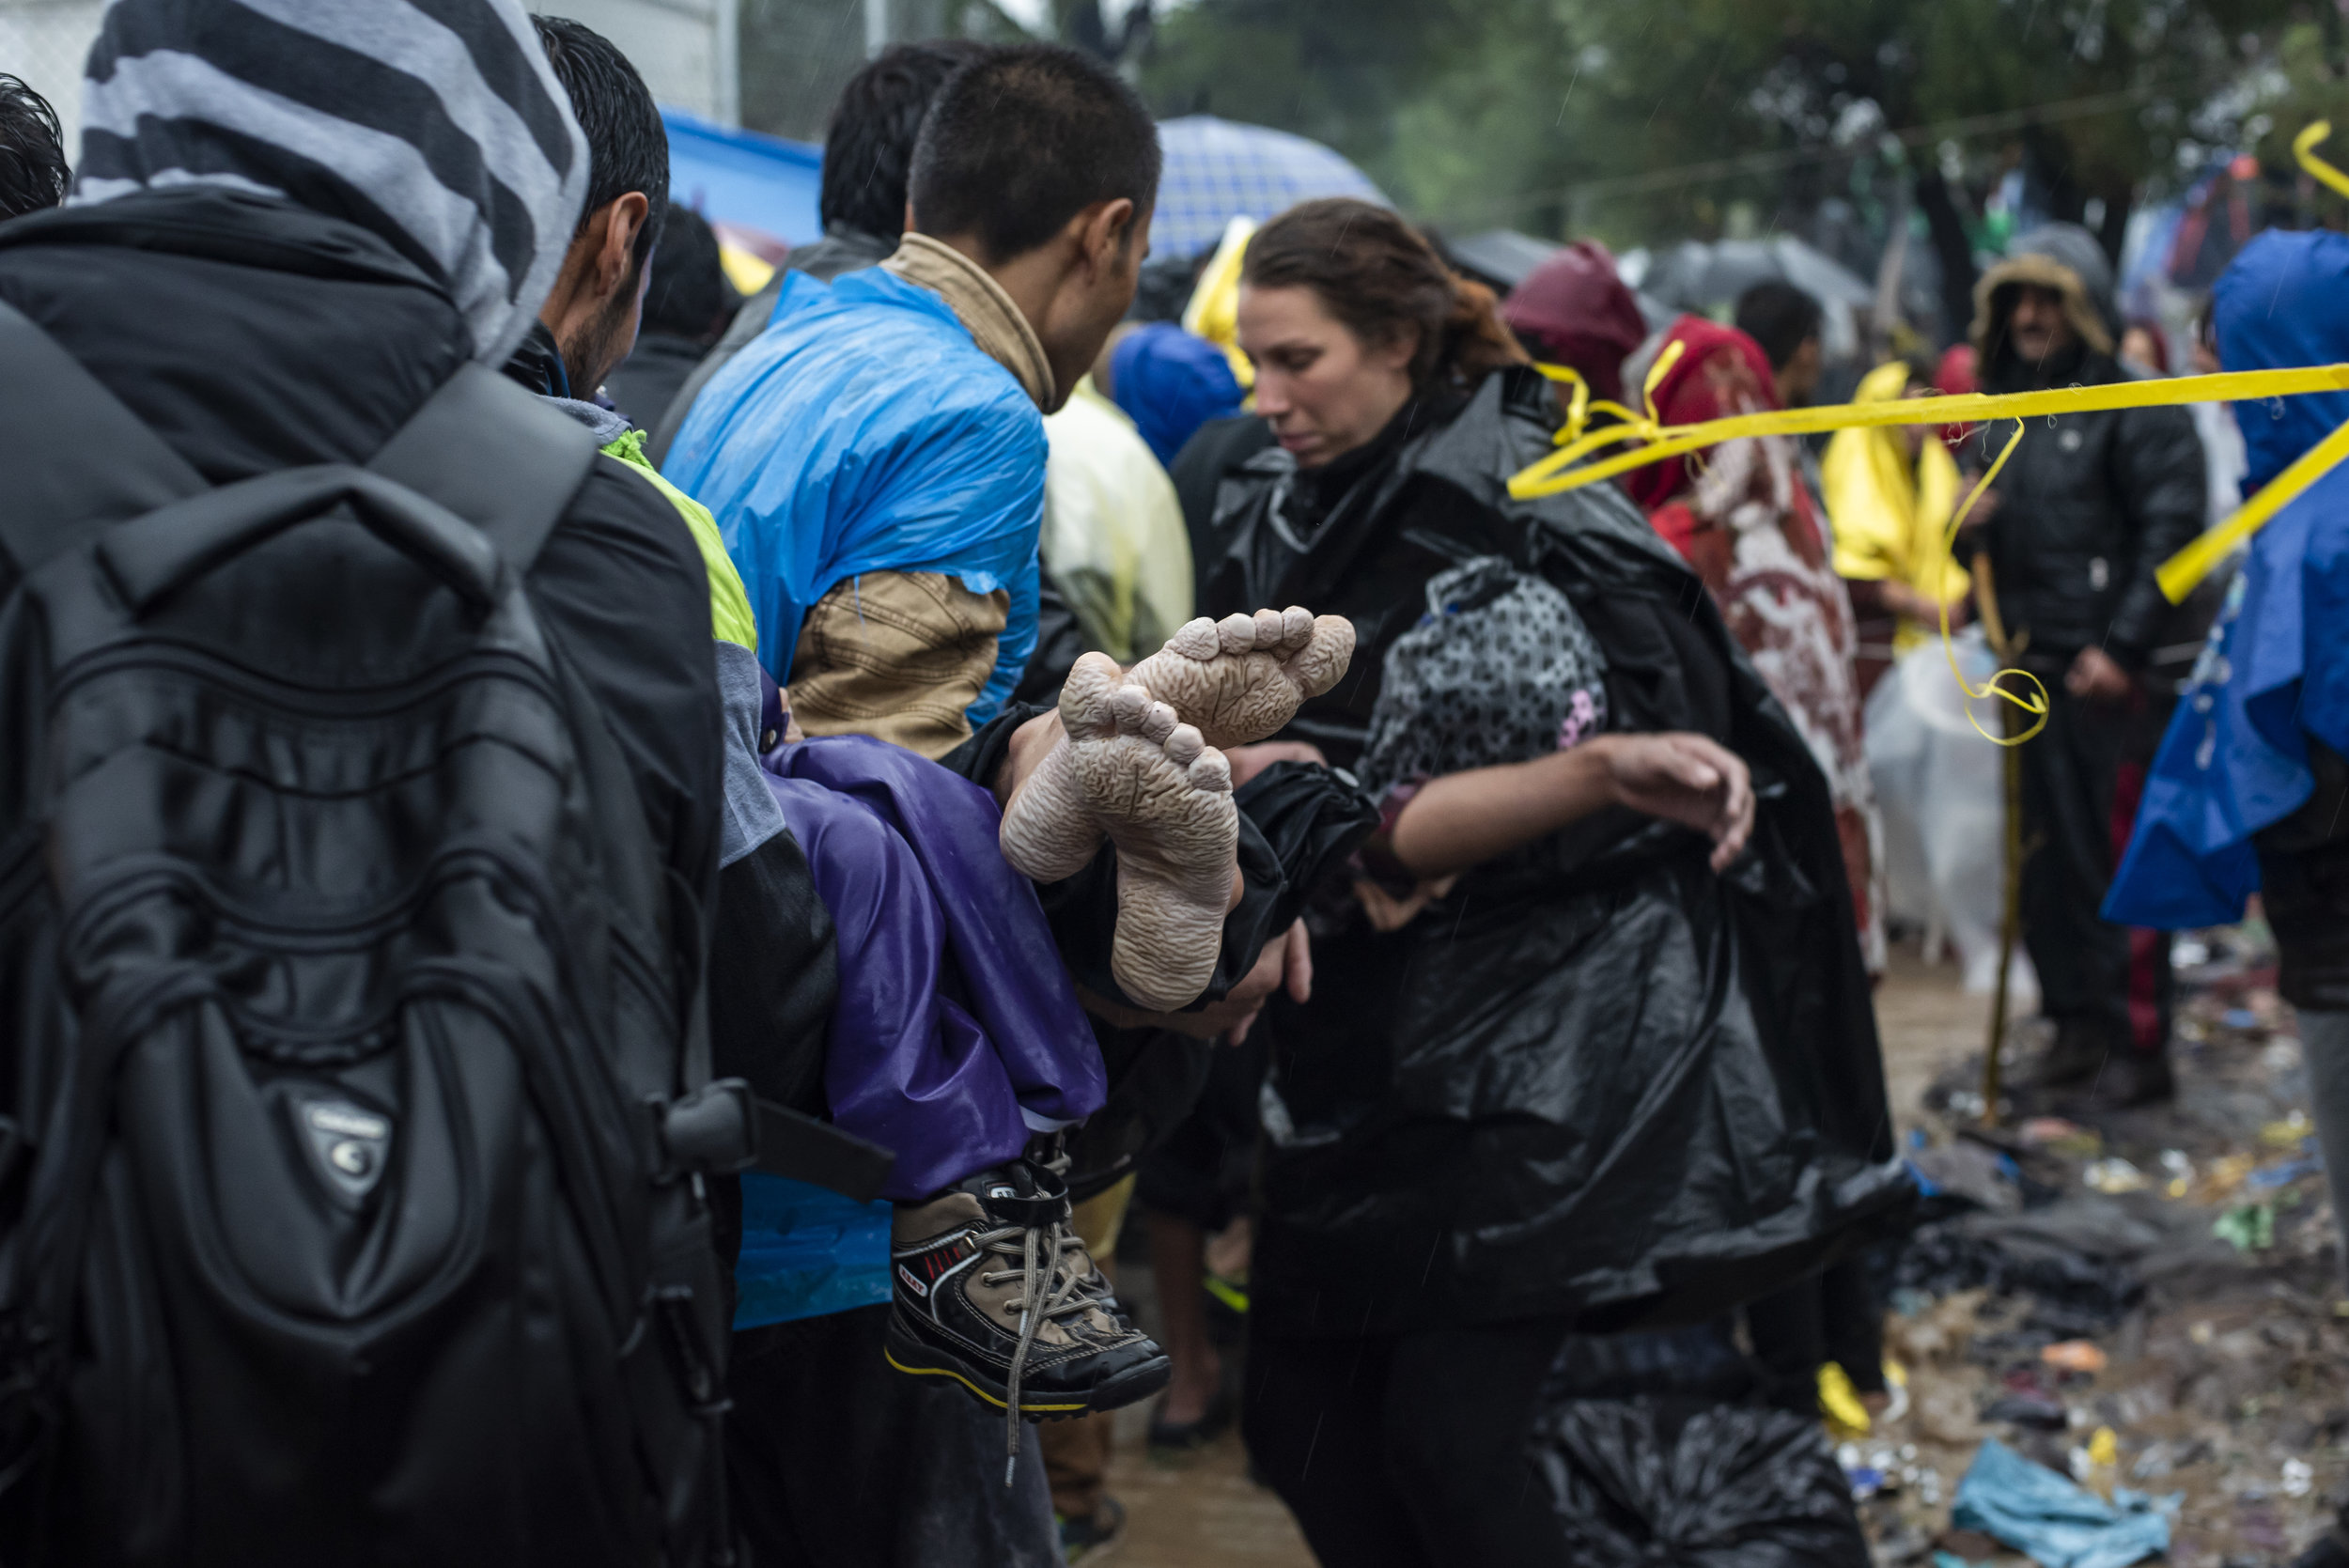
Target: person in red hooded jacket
{"type": "Point", "coordinates": [1574, 310]}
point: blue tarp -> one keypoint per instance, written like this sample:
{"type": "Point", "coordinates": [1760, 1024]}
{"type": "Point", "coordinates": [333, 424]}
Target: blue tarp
{"type": "Point", "coordinates": [2053, 1522]}
{"type": "Point", "coordinates": [1216, 169]}
{"type": "Point", "coordinates": [743, 177]}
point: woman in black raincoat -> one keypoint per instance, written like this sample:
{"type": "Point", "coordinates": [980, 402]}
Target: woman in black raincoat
{"type": "Point", "coordinates": [1590, 1043]}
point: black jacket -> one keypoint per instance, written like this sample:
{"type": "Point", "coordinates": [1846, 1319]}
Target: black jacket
{"type": "Point", "coordinates": [652, 375]}
{"type": "Point", "coordinates": [1597, 1079]}
{"type": "Point", "coordinates": [2090, 505]}
{"type": "Point", "coordinates": [252, 334]}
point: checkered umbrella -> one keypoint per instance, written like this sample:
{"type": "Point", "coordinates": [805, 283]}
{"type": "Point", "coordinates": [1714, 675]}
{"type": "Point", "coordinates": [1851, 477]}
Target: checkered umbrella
{"type": "Point", "coordinates": [1216, 170]}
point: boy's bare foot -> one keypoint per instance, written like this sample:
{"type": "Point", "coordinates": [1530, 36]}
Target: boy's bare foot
{"type": "Point", "coordinates": [1242, 678]}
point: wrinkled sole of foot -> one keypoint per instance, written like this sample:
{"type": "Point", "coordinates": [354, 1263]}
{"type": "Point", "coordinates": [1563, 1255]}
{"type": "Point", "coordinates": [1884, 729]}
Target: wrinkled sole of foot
{"type": "Point", "coordinates": [1136, 1383]}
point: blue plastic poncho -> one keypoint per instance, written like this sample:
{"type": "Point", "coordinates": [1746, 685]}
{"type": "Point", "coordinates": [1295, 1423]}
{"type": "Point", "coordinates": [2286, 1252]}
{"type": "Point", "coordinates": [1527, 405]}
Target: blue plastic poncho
{"type": "Point", "coordinates": [864, 430]}
{"type": "Point", "coordinates": [2276, 669]}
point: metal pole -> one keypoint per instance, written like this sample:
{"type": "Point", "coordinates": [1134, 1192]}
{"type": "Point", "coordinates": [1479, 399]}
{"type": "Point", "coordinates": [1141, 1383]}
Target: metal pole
{"type": "Point", "coordinates": [875, 26]}
{"type": "Point", "coordinates": [2009, 924]}
{"type": "Point", "coordinates": [725, 63]}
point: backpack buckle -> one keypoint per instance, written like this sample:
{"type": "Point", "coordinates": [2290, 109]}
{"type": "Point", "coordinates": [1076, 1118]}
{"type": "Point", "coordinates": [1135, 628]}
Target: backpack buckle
{"type": "Point", "coordinates": [713, 1130]}
{"type": "Point", "coordinates": [723, 1129]}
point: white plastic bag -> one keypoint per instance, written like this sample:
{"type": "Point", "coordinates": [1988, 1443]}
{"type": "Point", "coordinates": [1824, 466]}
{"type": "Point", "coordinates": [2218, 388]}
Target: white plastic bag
{"type": "Point", "coordinates": [1940, 784]}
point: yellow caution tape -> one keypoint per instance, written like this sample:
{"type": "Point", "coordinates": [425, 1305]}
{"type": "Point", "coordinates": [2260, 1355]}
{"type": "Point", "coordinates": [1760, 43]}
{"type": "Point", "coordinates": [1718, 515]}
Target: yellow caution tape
{"type": "Point", "coordinates": [2178, 576]}
{"type": "Point", "coordinates": [2304, 148]}
{"type": "Point", "coordinates": [1556, 474]}
{"type": "Point", "coordinates": [1996, 686]}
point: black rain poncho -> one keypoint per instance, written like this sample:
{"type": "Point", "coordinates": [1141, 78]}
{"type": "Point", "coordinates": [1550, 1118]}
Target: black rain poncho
{"type": "Point", "coordinates": [1595, 1079]}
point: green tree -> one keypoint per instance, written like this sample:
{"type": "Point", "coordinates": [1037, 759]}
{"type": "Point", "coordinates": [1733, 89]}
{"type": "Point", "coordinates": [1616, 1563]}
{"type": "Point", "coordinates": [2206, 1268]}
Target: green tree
{"type": "Point", "coordinates": [1488, 112]}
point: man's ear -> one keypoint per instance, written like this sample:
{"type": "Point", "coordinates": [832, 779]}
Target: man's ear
{"type": "Point", "coordinates": [623, 218]}
{"type": "Point", "coordinates": [1104, 232]}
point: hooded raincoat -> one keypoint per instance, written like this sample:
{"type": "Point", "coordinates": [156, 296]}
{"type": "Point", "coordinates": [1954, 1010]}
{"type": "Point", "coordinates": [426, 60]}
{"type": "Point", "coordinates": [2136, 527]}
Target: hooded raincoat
{"type": "Point", "coordinates": [2262, 724]}
{"type": "Point", "coordinates": [866, 430]}
{"type": "Point", "coordinates": [2091, 503]}
{"type": "Point", "coordinates": [1595, 1078]}
{"type": "Point", "coordinates": [1891, 510]}
{"type": "Point", "coordinates": [1574, 310]}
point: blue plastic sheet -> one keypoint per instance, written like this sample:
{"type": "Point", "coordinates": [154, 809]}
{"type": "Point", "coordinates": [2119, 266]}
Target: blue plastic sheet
{"type": "Point", "coordinates": [807, 1252]}
{"type": "Point", "coordinates": [2054, 1523]}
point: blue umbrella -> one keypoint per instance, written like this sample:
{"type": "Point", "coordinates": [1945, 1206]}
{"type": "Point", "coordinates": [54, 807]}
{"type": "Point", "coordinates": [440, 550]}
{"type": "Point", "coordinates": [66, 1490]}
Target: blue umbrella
{"type": "Point", "coordinates": [1218, 170]}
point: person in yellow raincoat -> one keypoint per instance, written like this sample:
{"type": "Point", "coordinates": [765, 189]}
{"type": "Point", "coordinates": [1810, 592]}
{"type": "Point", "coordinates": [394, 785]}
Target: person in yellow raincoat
{"type": "Point", "coordinates": [1889, 492]}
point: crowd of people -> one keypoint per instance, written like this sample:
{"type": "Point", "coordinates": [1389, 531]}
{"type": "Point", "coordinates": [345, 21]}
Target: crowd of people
{"type": "Point", "coordinates": [609, 891]}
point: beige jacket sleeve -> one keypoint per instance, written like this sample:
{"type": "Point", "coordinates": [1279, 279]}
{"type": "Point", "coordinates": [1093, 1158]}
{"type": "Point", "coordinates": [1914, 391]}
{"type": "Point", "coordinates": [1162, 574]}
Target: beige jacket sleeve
{"type": "Point", "coordinates": [898, 656]}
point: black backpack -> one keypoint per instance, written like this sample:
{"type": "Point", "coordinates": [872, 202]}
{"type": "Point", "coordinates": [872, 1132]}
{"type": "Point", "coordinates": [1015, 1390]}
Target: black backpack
{"type": "Point", "coordinates": [351, 1117]}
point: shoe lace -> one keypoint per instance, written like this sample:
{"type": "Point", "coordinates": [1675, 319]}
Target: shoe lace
{"type": "Point", "coordinates": [1050, 1287]}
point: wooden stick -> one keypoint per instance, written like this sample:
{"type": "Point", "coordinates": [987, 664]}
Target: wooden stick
{"type": "Point", "coordinates": [2011, 765]}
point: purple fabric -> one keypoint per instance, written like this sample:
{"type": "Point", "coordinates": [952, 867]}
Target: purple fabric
{"type": "Point", "coordinates": [955, 1012]}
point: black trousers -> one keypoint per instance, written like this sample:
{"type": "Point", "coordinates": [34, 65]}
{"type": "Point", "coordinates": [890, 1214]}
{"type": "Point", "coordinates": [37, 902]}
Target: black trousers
{"type": "Point", "coordinates": [1409, 1452]}
{"type": "Point", "coordinates": [1828, 1316]}
{"type": "Point", "coordinates": [2081, 777]}
{"type": "Point", "coordinates": [834, 1460]}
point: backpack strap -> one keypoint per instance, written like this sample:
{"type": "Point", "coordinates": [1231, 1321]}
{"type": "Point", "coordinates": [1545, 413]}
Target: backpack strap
{"type": "Point", "coordinates": [92, 461]}
{"type": "Point", "coordinates": [494, 455]}
{"type": "Point", "coordinates": [481, 446]}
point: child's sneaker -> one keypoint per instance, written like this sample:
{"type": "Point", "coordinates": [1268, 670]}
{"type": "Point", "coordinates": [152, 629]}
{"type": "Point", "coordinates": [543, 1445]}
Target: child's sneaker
{"type": "Point", "coordinates": [997, 1294]}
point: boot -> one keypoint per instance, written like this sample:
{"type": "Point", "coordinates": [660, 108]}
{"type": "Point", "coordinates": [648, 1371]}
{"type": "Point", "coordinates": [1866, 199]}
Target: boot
{"type": "Point", "coordinates": [994, 1293]}
{"type": "Point", "coordinates": [2131, 1078]}
{"type": "Point", "coordinates": [2078, 1053]}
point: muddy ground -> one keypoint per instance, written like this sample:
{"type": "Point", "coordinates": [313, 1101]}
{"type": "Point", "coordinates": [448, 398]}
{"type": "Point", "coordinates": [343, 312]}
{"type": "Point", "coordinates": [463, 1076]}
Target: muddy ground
{"type": "Point", "coordinates": [2221, 1361]}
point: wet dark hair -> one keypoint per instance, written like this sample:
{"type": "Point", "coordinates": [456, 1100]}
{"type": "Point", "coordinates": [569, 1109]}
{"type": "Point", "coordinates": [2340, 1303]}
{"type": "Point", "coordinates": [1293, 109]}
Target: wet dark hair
{"type": "Point", "coordinates": [1023, 139]}
{"type": "Point", "coordinates": [32, 172]}
{"type": "Point", "coordinates": [1377, 275]}
{"type": "Point", "coordinates": [1780, 318]}
{"type": "Point", "coordinates": [628, 147]}
{"type": "Point", "coordinates": [688, 295]}
{"type": "Point", "coordinates": [868, 146]}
